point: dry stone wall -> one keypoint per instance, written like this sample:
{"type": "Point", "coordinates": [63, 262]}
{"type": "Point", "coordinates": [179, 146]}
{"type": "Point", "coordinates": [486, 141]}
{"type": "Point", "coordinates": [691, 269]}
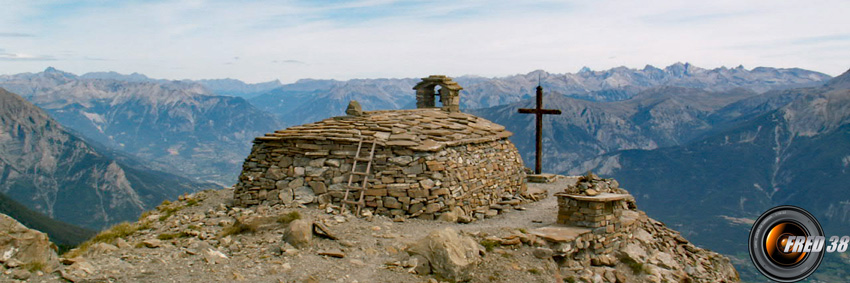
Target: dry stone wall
{"type": "Point", "coordinates": [470, 179]}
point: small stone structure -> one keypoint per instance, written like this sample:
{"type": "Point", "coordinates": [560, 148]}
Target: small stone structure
{"type": "Point", "coordinates": [449, 93]}
{"type": "Point", "coordinates": [593, 213]}
{"type": "Point", "coordinates": [600, 236]}
{"type": "Point", "coordinates": [594, 203]}
{"type": "Point", "coordinates": [427, 161]}
{"type": "Point", "coordinates": [601, 211]}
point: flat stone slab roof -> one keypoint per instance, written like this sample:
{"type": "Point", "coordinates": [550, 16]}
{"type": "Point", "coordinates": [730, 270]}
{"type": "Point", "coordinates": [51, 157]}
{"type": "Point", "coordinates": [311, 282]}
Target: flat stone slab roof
{"type": "Point", "coordinates": [424, 129]}
{"type": "Point", "coordinates": [560, 234]}
{"type": "Point", "coordinates": [603, 197]}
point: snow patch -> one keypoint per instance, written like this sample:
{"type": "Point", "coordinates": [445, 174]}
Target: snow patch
{"type": "Point", "coordinates": [94, 117]}
{"type": "Point", "coordinates": [749, 137]}
{"type": "Point", "coordinates": [738, 220]}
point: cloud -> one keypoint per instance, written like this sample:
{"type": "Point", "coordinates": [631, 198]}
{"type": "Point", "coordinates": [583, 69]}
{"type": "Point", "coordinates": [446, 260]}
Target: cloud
{"type": "Point", "coordinates": [822, 39]}
{"type": "Point", "coordinates": [15, 34]}
{"type": "Point", "coordinates": [696, 15]}
{"type": "Point", "coordinates": [290, 61]}
{"type": "Point", "coordinates": [24, 57]}
{"type": "Point", "coordinates": [88, 58]}
{"type": "Point", "coordinates": [386, 38]}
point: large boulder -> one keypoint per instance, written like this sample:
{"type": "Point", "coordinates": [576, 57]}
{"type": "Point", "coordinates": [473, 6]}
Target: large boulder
{"type": "Point", "coordinates": [27, 246]}
{"type": "Point", "coordinates": [299, 233]}
{"type": "Point", "coordinates": [450, 254]}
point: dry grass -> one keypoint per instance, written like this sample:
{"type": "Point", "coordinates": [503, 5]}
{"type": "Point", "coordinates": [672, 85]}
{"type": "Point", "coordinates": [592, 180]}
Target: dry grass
{"type": "Point", "coordinates": [489, 244]}
{"type": "Point", "coordinates": [120, 230]}
{"type": "Point", "coordinates": [286, 218]}
{"type": "Point", "coordinates": [237, 228]}
{"type": "Point", "coordinates": [169, 236]}
{"type": "Point", "coordinates": [35, 266]}
{"type": "Point", "coordinates": [167, 209]}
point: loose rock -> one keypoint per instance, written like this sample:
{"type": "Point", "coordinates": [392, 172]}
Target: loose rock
{"type": "Point", "coordinates": [299, 233]}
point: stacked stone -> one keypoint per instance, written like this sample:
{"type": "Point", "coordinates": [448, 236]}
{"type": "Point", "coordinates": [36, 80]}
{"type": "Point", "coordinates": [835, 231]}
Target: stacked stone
{"type": "Point", "coordinates": [587, 212]}
{"type": "Point", "coordinates": [427, 162]}
{"type": "Point", "coordinates": [590, 185]}
{"type": "Point", "coordinates": [594, 203]}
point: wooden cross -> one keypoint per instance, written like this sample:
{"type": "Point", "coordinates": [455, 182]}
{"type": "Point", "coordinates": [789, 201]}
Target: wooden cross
{"type": "Point", "coordinates": [539, 112]}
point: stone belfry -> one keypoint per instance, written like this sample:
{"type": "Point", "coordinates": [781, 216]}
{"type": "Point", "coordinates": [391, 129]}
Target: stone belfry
{"type": "Point", "coordinates": [449, 93]}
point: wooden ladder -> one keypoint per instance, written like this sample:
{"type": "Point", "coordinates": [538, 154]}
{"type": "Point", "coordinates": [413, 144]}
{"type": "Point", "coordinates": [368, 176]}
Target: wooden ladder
{"type": "Point", "coordinates": [359, 203]}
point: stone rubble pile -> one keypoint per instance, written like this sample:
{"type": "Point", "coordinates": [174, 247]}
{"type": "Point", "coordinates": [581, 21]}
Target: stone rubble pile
{"type": "Point", "coordinates": [648, 252]}
{"type": "Point", "coordinates": [591, 184]}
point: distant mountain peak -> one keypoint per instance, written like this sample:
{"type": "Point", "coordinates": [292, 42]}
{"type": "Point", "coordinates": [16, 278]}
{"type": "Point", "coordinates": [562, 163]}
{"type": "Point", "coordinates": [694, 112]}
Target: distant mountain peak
{"type": "Point", "coordinates": [840, 82]}
{"type": "Point", "coordinates": [113, 75]}
{"type": "Point", "coordinates": [585, 69]}
{"type": "Point", "coordinates": [539, 72]}
{"type": "Point", "coordinates": [680, 69]}
{"type": "Point", "coordinates": [51, 71]}
{"type": "Point", "coordinates": [650, 68]}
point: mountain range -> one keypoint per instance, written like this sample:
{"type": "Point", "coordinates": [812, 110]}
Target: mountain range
{"type": "Point", "coordinates": [326, 98]}
{"type": "Point", "coordinates": [681, 103]}
{"type": "Point", "coordinates": [54, 172]}
{"type": "Point", "coordinates": [193, 128]}
{"type": "Point", "coordinates": [179, 126]}
{"type": "Point", "coordinates": [229, 87]}
{"type": "Point", "coordinates": [787, 147]}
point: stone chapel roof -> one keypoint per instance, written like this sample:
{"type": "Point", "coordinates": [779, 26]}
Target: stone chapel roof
{"type": "Point", "coordinates": [423, 129]}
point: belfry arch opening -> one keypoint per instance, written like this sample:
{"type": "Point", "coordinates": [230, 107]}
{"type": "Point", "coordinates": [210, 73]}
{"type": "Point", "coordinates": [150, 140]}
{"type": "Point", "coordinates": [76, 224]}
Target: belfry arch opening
{"type": "Point", "coordinates": [438, 103]}
{"type": "Point", "coordinates": [438, 91]}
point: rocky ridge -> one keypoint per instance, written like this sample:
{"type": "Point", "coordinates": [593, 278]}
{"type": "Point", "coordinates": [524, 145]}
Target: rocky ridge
{"type": "Point", "coordinates": [201, 237]}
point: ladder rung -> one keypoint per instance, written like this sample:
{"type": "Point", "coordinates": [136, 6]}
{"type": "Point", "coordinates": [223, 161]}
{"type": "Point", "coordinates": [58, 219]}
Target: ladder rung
{"type": "Point", "coordinates": [353, 188]}
{"type": "Point", "coordinates": [360, 173]}
{"type": "Point", "coordinates": [366, 159]}
{"type": "Point", "coordinates": [353, 202]}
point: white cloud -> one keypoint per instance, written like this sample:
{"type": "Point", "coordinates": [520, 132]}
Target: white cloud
{"type": "Point", "coordinates": [356, 39]}
{"type": "Point", "coordinates": [15, 34]}
{"type": "Point", "coordinates": [24, 57]}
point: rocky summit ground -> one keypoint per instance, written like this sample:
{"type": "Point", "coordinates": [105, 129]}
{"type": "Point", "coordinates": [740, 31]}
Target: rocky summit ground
{"type": "Point", "coordinates": [201, 238]}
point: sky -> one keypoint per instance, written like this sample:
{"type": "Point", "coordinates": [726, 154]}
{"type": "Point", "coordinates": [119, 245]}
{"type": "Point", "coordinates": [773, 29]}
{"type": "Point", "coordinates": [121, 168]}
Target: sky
{"type": "Point", "coordinates": [257, 41]}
